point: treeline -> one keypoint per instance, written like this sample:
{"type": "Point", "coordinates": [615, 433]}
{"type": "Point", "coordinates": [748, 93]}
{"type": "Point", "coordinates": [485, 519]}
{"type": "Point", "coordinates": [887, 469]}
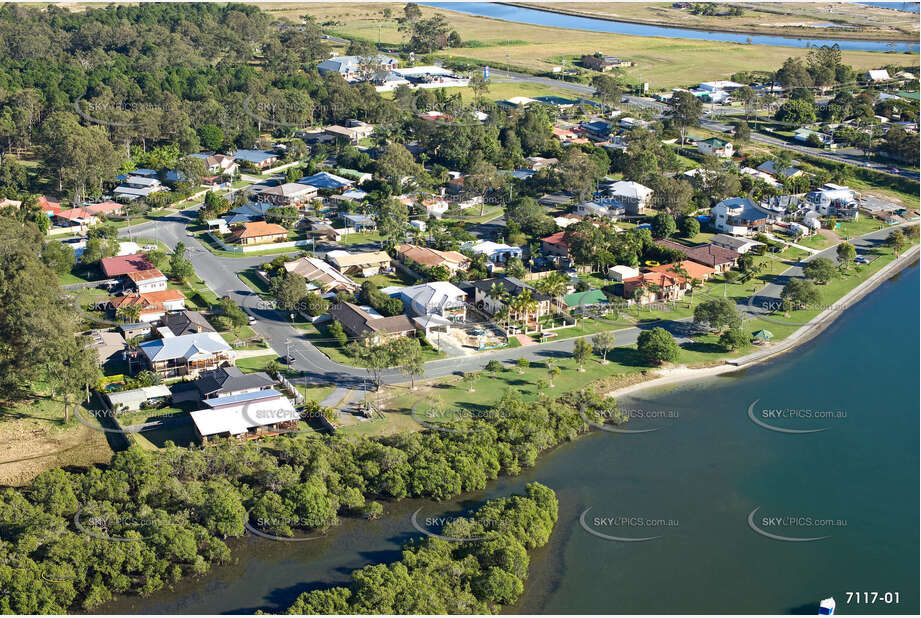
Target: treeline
{"type": "Point", "coordinates": [436, 576]}
{"type": "Point", "coordinates": [40, 355]}
{"type": "Point", "coordinates": [178, 505]}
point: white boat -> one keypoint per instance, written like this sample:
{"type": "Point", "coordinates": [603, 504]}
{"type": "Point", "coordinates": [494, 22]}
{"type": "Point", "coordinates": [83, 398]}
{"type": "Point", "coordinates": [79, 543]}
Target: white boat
{"type": "Point", "coordinates": [827, 607]}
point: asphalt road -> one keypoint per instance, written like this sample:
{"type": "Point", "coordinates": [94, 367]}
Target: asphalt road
{"type": "Point", "coordinates": [220, 274]}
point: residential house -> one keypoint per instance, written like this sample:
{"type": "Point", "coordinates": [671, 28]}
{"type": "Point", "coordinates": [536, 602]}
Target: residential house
{"type": "Point", "coordinates": [735, 243]}
{"type": "Point", "coordinates": [750, 171]}
{"type": "Point", "coordinates": [803, 134]}
{"type": "Point", "coordinates": [138, 330]}
{"type": "Point", "coordinates": [607, 208]}
{"type": "Point", "coordinates": [425, 256]}
{"type": "Point", "coordinates": [718, 258]}
{"type": "Point", "coordinates": [145, 281]}
{"type": "Point", "coordinates": [600, 62]}
{"type": "Point", "coordinates": [621, 273]}
{"type": "Point", "coordinates": [877, 75]}
{"type": "Point", "coordinates": [250, 211]}
{"type": "Point", "coordinates": [151, 305]}
{"type": "Point", "coordinates": [219, 164]}
{"type": "Point", "coordinates": [511, 289]}
{"type": "Point", "coordinates": [577, 302]}
{"type": "Point", "coordinates": [186, 322]}
{"type": "Point", "coordinates": [351, 67]}
{"type": "Point", "coordinates": [259, 233]}
{"type": "Point", "coordinates": [597, 129]}
{"type": "Point", "coordinates": [288, 194]}
{"type": "Point", "coordinates": [230, 381]}
{"type": "Point", "coordinates": [325, 181]}
{"type": "Point", "coordinates": [259, 159]}
{"type": "Point", "coordinates": [739, 216]}
{"type": "Point", "coordinates": [360, 223]}
{"type": "Point", "coordinates": [555, 245]}
{"type": "Point", "coordinates": [81, 217]}
{"type": "Point", "coordinates": [768, 167]}
{"type": "Point", "coordinates": [365, 264]}
{"type": "Point", "coordinates": [830, 198]}
{"type": "Point", "coordinates": [186, 355]}
{"type": "Point", "coordinates": [539, 163]}
{"type": "Point", "coordinates": [353, 131]}
{"type": "Point", "coordinates": [495, 252]}
{"type": "Point", "coordinates": [359, 323]}
{"type": "Point", "coordinates": [633, 123]}
{"type": "Point", "coordinates": [568, 135]}
{"type": "Point", "coordinates": [633, 196]}
{"type": "Point", "coordinates": [250, 415]}
{"type": "Point", "coordinates": [439, 298]}
{"type": "Point", "coordinates": [654, 286]}
{"type": "Point", "coordinates": [123, 264]}
{"type": "Point", "coordinates": [106, 208]}
{"type": "Point", "coordinates": [716, 147]}
{"type": "Point", "coordinates": [134, 187]}
{"type": "Point", "coordinates": [693, 269]}
{"type": "Point", "coordinates": [323, 275]}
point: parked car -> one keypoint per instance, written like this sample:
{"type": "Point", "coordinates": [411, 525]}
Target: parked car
{"type": "Point", "coordinates": [861, 260]}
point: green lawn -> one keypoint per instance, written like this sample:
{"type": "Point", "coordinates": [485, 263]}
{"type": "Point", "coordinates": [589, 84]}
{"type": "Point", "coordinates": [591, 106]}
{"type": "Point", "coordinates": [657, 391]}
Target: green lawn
{"type": "Point", "coordinates": [253, 282]}
{"type": "Point", "coordinates": [320, 338]}
{"type": "Point", "coordinates": [381, 280]}
{"type": "Point", "coordinates": [359, 238]}
{"type": "Point", "coordinates": [817, 242]}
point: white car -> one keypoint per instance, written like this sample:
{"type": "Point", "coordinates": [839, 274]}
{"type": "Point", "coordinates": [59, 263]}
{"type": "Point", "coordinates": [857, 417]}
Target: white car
{"type": "Point", "coordinates": [861, 260]}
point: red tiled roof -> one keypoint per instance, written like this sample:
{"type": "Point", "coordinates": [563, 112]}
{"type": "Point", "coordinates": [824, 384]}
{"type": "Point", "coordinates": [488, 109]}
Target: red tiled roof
{"type": "Point", "coordinates": [124, 264]}
{"type": "Point", "coordinates": [556, 239]}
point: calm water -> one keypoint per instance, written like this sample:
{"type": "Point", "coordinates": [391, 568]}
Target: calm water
{"type": "Point", "coordinates": [905, 7]}
{"type": "Point", "coordinates": [705, 469]}
{"type": "Point", "coordinates": [545, 18]}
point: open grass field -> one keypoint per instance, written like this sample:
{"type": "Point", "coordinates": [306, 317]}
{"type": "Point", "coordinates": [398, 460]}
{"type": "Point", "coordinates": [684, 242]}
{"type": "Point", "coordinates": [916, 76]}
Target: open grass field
{"type": "Point", "coordinates": [788, 19]}
{"type": "Point", "coordinates": [663, 62]}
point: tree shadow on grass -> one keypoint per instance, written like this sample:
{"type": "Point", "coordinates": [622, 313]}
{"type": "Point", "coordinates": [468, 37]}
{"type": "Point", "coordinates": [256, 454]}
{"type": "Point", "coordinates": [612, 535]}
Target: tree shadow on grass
{"type": "Point", "coordinates": [703, 347]}
{"type": "Point", "coordinates": [628, 357]}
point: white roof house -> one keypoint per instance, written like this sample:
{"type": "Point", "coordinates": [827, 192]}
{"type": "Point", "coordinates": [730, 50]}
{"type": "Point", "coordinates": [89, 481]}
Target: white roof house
{"type": "Point", "coordinates": [239, 414]}
{"type": "Point", "coordinates": [433, 298]}
{"type": "Point", "coordinates": [195, 346]}
{"type": "Point", "coordinates": [627, 190]}
{"type": "Point", "coordinates": [349, 65]}
{"type": "Point", "coordinates": [496, 251]}
{"type": "Point", "coordinates": [621, 272]}
{"type": "Point", "coordinates": [750, 171]}
{"type": "Point", "coordinates": [878, 75]}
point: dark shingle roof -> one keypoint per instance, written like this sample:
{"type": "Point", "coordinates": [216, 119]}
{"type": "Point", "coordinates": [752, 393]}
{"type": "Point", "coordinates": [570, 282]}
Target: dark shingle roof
{"type": "Point", "coordinates": [186, 322]}
{"type": "Point", "coordinates": [357, 322]}
{"type": "Point", "coordinates": [225, 380]}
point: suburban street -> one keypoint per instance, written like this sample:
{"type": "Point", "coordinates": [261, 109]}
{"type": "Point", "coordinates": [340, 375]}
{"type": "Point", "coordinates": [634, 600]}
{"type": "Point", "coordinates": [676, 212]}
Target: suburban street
{"type": "Point", "coordinates": [220, 275]}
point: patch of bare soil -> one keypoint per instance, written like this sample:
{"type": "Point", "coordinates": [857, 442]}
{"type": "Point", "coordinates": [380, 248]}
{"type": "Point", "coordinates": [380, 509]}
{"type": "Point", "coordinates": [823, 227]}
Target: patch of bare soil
{"type": "Point", "coordinates": [29, 447]}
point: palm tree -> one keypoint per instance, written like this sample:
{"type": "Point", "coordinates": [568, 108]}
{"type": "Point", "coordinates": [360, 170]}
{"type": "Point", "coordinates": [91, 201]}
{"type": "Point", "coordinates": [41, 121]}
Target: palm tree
{"type": "Point", "coordinates": [524, 306]}
{"type": "Point", "coordinates": [555, 285]}
{"type": "Point", "coordinates": [681, 275]}
{"type": "Point", "coordinates": [129, 313]}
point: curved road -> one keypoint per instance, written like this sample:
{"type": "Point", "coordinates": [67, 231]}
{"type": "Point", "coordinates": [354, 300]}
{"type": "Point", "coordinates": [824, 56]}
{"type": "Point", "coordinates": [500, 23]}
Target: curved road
{"type": "Point", "coordinates": [220, 275]}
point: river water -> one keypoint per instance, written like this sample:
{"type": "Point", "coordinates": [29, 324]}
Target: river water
{"type": "Point", "coordinates": [692, 483]}
{"type": "Point", "coordinates": [545, 18]}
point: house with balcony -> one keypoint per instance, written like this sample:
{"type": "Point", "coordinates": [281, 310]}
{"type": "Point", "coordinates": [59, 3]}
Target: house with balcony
{"type": "Point", "coordinates": [739, 216]}
{"type": "Point", "coordinates": [833, 200]}
{"type": "Point", "coordinates": [496, 294]}
{"type": "Point", "coordinates": [145, 281]}
{"type": "Point", "coordinates": [186, 355]}
{"type": "Point", "coordinates": [632, 196]}
{"type": "Point", "coordinates": [245, 416]}
{"type": "Point", "coordinates": [496, 252]}
{"type": "Point", "coordinates": [150, 306]}
{"type": "Point", "coordinates": [439, 298]}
